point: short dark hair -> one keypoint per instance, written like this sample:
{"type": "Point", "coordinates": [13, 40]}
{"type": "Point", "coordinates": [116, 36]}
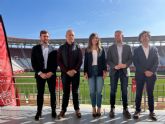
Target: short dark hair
{"type": "Point", "coordinates": [144, 32]}
{"type": "Point", "coordinates": [43, 32]}
{"type": "Point", "coordinates": [118, 31]}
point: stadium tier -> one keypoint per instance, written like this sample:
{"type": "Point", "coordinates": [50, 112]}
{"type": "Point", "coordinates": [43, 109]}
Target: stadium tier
{"type": "Point", "coordinates": [20, 49]}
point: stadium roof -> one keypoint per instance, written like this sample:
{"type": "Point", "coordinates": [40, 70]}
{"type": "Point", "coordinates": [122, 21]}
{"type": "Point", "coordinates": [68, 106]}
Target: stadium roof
{"type": "Point", "coordinates": [12, 40]}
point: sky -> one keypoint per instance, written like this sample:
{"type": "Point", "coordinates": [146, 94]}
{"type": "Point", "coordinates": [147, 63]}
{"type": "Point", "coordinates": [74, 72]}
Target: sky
{"type": "Point", "coordinates": [25, 18]}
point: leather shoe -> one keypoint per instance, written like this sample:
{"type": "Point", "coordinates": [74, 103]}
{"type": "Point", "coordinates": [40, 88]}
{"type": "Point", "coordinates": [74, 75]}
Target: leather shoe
{"type": "Point", "coordinates": [61, 115]}
{"type": "Point", "coordinates": [94, 115]}
{"type": "Point", "coordinates": [78, 114]}
{"type": "Point", "coordinates": [136, 115]}
{"type": "Point", "coordinates": [38, 115]}
{"type": "Point", "coordinates": [98, 114]}
{"type": "Point", "coordinates": [112, 113]}
{"type": "Point", "coordinates": [126, 113]}
{"type": "Point", "coordinates": [54, 114]}
{"type": "Point", "coordinates": [152, 116]}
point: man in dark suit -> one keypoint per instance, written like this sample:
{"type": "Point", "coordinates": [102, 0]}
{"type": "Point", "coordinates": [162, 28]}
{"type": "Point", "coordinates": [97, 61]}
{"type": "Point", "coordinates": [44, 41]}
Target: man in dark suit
{"type": "Point", "coordinates": [119, 58]}
{"type": "Point", "coordinates": [146, 61]}
{"type": "Point", "coordinates": [70, 60]}
{"type": "Point", "coordinates": [44, 63]}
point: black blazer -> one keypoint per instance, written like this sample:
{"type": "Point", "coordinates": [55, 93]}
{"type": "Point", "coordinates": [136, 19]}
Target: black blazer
{"type": "Point", "coordinates": [37, 60]}
{"type": "Point", "coordinates": [142, 64]}
{"type": "Point", "coordinates": [101, 62]}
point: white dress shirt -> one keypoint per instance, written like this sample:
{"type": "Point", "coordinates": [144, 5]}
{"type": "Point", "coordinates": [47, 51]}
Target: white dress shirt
{"type": "Point", "coordinates": [146, 51]}
{"type": "Point", "coordinates": [45, 50]}
{"type": "Point", "coordinates": [120, 51]}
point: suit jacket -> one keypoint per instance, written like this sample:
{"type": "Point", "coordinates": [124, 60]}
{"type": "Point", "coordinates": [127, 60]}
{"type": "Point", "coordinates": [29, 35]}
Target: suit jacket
{"type": "Point", "coordinates": [37, 60]}
{"type": "Point", "coordinates": [101, 63]}
{"type": "Point", "coordinates": [142, 63]}
{"type": "Point", "coordinates": [113, 59]}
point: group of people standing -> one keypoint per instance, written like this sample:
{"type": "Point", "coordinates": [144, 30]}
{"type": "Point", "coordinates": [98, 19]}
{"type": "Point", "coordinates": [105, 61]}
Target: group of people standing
{"type": "Point", "coordinates": [118, 58]}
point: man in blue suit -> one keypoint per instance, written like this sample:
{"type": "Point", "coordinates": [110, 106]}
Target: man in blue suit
{"type": "Point", "coordinates": [146, 61]}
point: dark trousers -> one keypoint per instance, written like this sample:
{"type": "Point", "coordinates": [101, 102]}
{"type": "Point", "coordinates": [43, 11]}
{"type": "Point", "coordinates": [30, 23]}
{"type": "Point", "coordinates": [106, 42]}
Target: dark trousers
{"type": "Point", "coordinates": [67, 81]}
{"type": "Point", "coordinates": [124, 84]}
{"type": "Point", "coordinates": [41, 87]}
{"type": "Point", "coordinates": [150, 82]}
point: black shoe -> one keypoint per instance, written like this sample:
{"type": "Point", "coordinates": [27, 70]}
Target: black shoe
{"type": "Point", "coordinates": [152, 116]}
{"type": "Point", "coordinates": [94, 115]}
{"type": "Point", "coordinates": [61, 115]}
{"type": "Point", "coordinates": [126, 113]}
{"type": "Point", "coordinates": [78, 114]}
{"type": "Point", "coordinates": [54, 114]}
{"type": "Point", "coordinates": [112, 113]}
{"type": "Point", "coordinates": [38, 115]}
{"type": "Point", "coordinates": [98, 114]}
{"type": "Point", "coordinates": [136, 115]}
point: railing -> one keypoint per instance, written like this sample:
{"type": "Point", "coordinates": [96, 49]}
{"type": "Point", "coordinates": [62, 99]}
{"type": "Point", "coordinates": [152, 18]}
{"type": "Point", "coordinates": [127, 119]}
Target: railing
{"type": "Point", "coordinates": [28, 92]}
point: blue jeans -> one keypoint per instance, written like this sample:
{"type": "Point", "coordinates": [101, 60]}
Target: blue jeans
{"type": "Point", "coordinates": [96, 84]}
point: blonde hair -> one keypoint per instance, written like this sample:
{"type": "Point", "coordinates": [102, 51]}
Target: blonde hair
{"type": "Point", "coordinates": [89, 48]}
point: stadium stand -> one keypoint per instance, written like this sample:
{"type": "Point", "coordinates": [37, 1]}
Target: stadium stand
{"type": "Point", "coordinates": [16, 67]}
{"type": "Point", "coordinates": [22, 57]}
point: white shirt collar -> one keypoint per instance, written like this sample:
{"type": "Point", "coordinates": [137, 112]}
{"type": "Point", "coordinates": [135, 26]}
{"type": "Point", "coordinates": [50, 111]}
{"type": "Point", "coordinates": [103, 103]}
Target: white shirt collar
{"type": "Point", "coordinates": [44, 45]}
{"type": "Point", "coordinates": [146, 48]}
